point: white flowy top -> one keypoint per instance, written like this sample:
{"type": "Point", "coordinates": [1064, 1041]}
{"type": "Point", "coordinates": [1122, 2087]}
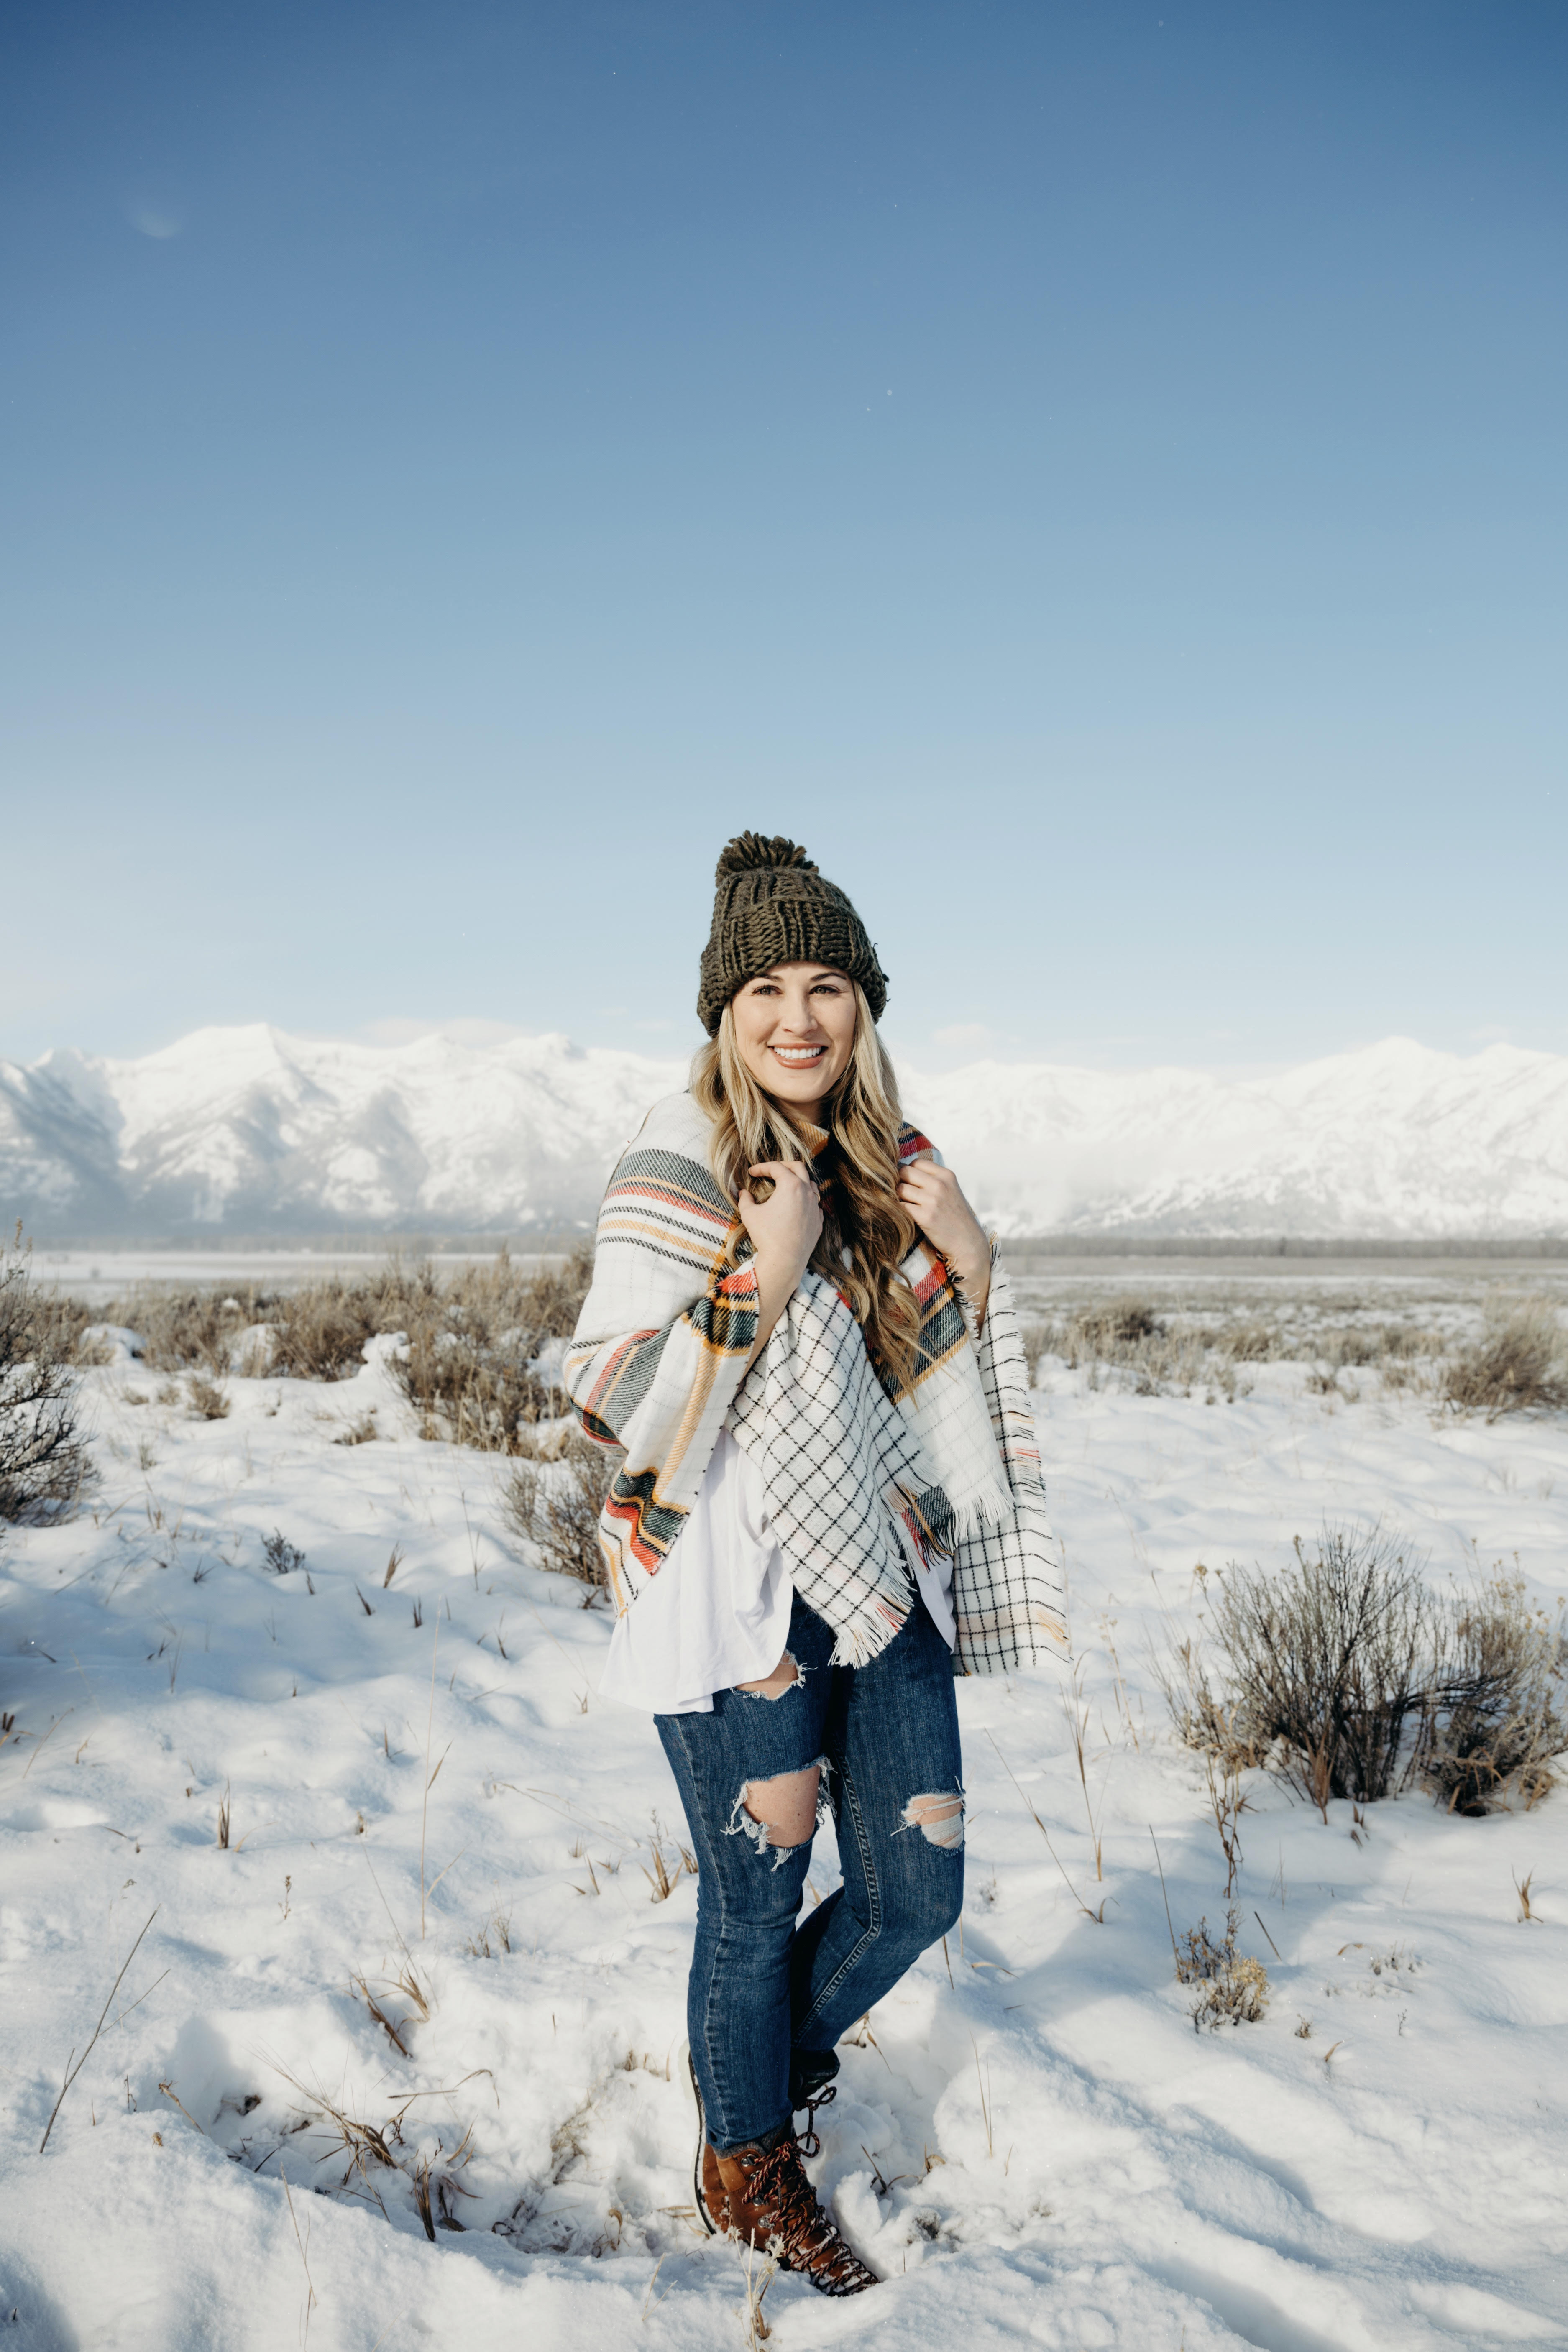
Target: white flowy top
{"type": "Point", "coordinates": [717, 1611]}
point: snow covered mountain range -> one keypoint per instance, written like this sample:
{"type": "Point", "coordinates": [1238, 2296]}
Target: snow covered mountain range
{"type": "Point", "coordinates": [250, 1131]}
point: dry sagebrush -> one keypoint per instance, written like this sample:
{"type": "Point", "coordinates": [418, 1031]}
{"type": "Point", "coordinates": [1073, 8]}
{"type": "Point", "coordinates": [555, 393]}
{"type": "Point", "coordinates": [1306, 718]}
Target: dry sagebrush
{"type": "Point", "coordinates": [1234, 1987]}
{"type": "Point", "coordinates": [1519, 1364]}
{"type": "Point", "coordinates": [554, 1500]}
{"type": "Point", "coordinates": [1164, 1351]}
{"type": "Point", "coordinates": [473, 1338]}
{"type": "Point", "coordinates": [42, 1459]}
{"type": "Point", "coordinates": [1347, 1675]}
{"type": "Point", "coordinates": [1492, 1723]}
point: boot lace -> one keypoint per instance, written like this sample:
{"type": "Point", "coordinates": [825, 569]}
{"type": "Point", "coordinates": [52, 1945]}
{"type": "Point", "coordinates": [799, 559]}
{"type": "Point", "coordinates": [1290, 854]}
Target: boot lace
{"type": "Point", "coordinates": [781, 2181]}
{"type": "Point", "coordinates": [809, 2141]}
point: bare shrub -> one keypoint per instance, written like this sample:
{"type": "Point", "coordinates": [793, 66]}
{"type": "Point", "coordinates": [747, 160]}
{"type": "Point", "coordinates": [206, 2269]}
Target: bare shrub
{"type": "Point", "coordinates": [1161, 1351]}
{"type": "Point", "coordinates": [320, 1332]}
{"type": "Point", "coordinates": [1350, 1678]}
{"type": "Point", "coordinates": [470, 1371]}
{"type": "Point", "coordinates": [1492, 1720]}
{"type": "Point", "coordinates": [184, 1330]}
{"type": "Point", "coordinates": [1250, 1343]}
{"type": "Point", "coordinates": [1035, 1338]}
{"type": "Point", "coordinates": [1201, 1718]}
{"type": "Point", "coordinates": [42, 1460]}
{"type": "Point", "coordinates": [281, 1557]}
{"type": "Point", "coordinates": [1518, 1364]}
{"type": "Point", "coordinates": [1236, 1989]}
{"type": "Point", "coordinates": [1127, 1335]}
{"type": "Point", "coordinates": [554, 1503]}
{"type": "Point", "coordinates": [473, 1340]}
{"type": "Point", "coordinates": [60, 1323]}
{"type": "Point", "coordinates": [1328, 1667]}
{"type": "Point", "coordinates": [209, 1398]}
{"type": "Point", "coordinates": [1121, 1324]}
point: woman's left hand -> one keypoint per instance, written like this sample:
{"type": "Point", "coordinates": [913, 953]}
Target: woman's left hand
{"type": "Point", "coordinates": [935, 1198]}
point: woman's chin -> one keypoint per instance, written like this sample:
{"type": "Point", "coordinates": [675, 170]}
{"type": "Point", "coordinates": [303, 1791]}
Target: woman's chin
{"type": "Point", "coordinates": [802, 1089]}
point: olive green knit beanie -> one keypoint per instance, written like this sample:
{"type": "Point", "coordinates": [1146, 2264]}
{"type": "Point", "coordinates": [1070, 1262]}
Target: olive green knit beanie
{"type": "Point", "coordinates": [772, 907]}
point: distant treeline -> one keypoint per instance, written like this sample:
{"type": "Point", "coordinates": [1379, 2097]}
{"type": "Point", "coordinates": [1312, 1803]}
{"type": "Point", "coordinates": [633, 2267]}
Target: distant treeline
{"type": "Point", "coordinates": [545, 1241]}
{"type": "Point", "coordinates": [1019, 1249]}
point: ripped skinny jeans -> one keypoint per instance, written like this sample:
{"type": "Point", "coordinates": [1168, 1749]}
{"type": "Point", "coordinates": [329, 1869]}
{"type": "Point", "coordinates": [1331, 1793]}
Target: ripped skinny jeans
{"type": "Point", "coordinates": [769, 1998]}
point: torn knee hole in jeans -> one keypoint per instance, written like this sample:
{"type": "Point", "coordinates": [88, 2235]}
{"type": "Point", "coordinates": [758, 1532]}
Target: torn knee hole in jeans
{"type": "Point", "coordinates": [758, 1801]}
{"type": "Point", "coordinates": [938, 1816]}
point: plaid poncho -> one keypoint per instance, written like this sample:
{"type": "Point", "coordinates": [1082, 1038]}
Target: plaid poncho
{"type": "Point", "coordinates": [858, 1481]}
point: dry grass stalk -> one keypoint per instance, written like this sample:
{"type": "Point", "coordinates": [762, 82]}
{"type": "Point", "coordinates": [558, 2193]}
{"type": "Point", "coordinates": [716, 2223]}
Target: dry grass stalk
{"type": "Point", "coordinates": [1077, 1714]}
{"type": "Point", "coordinates": [429, 1777]}
{"type": "Point", "coordinates": [1227, 1804]}
{"type": "Point", "coordinates": [1164, 1896]}
{"type": "Point", "coordinates": [1521, 1888]}
{"type": "Point", "coordinates": [757, 2328]}
{"type": "Point", "coordinates": [985, 2083]}
{"type": "Point", "coordinates": [166, 2091]}
{"type": "Point", "coordinates": [38, 1747]}
{"type": "Point", "coordinates": [393, 2032]}
{"type": "Point", "coordinates": [478, 1944]}
{"type": "Point", "coordinates": [1096, 1915]}
{"type": "Point", "coordinates": [662, 1880]}
{"type": "Point", "coordinates": [74, 2065]}
{"type": "Point", "coordinates": [304, 2245]}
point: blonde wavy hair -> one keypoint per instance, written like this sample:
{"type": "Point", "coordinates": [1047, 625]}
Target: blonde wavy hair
{"type": "Point", "coordinates": [867, 1232]}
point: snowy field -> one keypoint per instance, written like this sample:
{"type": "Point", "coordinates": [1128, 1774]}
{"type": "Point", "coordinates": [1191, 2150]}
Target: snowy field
{"type": "Point", "coordinates": [435, 1962]}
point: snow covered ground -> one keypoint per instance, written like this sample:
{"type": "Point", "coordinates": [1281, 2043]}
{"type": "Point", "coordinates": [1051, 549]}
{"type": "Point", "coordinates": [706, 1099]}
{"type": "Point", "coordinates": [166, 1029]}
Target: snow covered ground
{"type": "Point", "coordinates": [1032, 2143]}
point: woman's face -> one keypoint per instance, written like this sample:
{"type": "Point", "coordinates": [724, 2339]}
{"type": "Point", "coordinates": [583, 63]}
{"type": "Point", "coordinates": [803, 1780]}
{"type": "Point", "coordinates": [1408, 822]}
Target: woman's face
{"type": "Point", "coordinates": [794, 1026]}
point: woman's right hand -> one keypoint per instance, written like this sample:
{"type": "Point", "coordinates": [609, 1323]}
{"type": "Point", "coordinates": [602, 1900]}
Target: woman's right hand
{"type": "Point", "coordinates": [785, 1227]}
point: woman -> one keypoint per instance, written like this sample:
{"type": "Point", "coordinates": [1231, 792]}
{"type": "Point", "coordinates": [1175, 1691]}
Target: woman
{"type": "Point", "coordinates": [830, 1502]}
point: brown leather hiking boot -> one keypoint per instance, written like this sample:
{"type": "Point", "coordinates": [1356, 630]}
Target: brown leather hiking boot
{"type": "Point", "coordinates": [768, 2202]}
{"type": "Point", "coordinates": [712, 2211]}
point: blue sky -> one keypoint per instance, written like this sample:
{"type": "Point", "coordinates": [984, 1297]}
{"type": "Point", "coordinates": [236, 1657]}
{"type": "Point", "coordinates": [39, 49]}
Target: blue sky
{"type": "Point", "coordinates": [1095, 473]}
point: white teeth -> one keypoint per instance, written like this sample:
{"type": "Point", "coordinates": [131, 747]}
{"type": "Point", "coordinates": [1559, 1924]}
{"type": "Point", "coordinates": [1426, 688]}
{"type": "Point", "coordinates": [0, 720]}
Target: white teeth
{"type": "Point", "coordinates": [799, 1053]}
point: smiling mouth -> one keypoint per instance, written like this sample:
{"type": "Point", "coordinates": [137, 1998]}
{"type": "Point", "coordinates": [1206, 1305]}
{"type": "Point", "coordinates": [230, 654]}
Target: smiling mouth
{"type": "Point", "coordinates": [798, 1057]}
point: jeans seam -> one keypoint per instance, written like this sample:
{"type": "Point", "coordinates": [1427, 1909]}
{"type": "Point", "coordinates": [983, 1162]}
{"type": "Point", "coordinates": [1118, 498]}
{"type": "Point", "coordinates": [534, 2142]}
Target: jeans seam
{"type": "Point", "coordinates": [852, 1958]}
{"type": "Point", "coordinates": [716, 1878]}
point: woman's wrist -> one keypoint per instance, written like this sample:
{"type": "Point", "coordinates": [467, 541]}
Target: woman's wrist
{"type": "Point", "coordinates": [972, 1279]}
{"type": "Point", "coordinates": [777, 1268]}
